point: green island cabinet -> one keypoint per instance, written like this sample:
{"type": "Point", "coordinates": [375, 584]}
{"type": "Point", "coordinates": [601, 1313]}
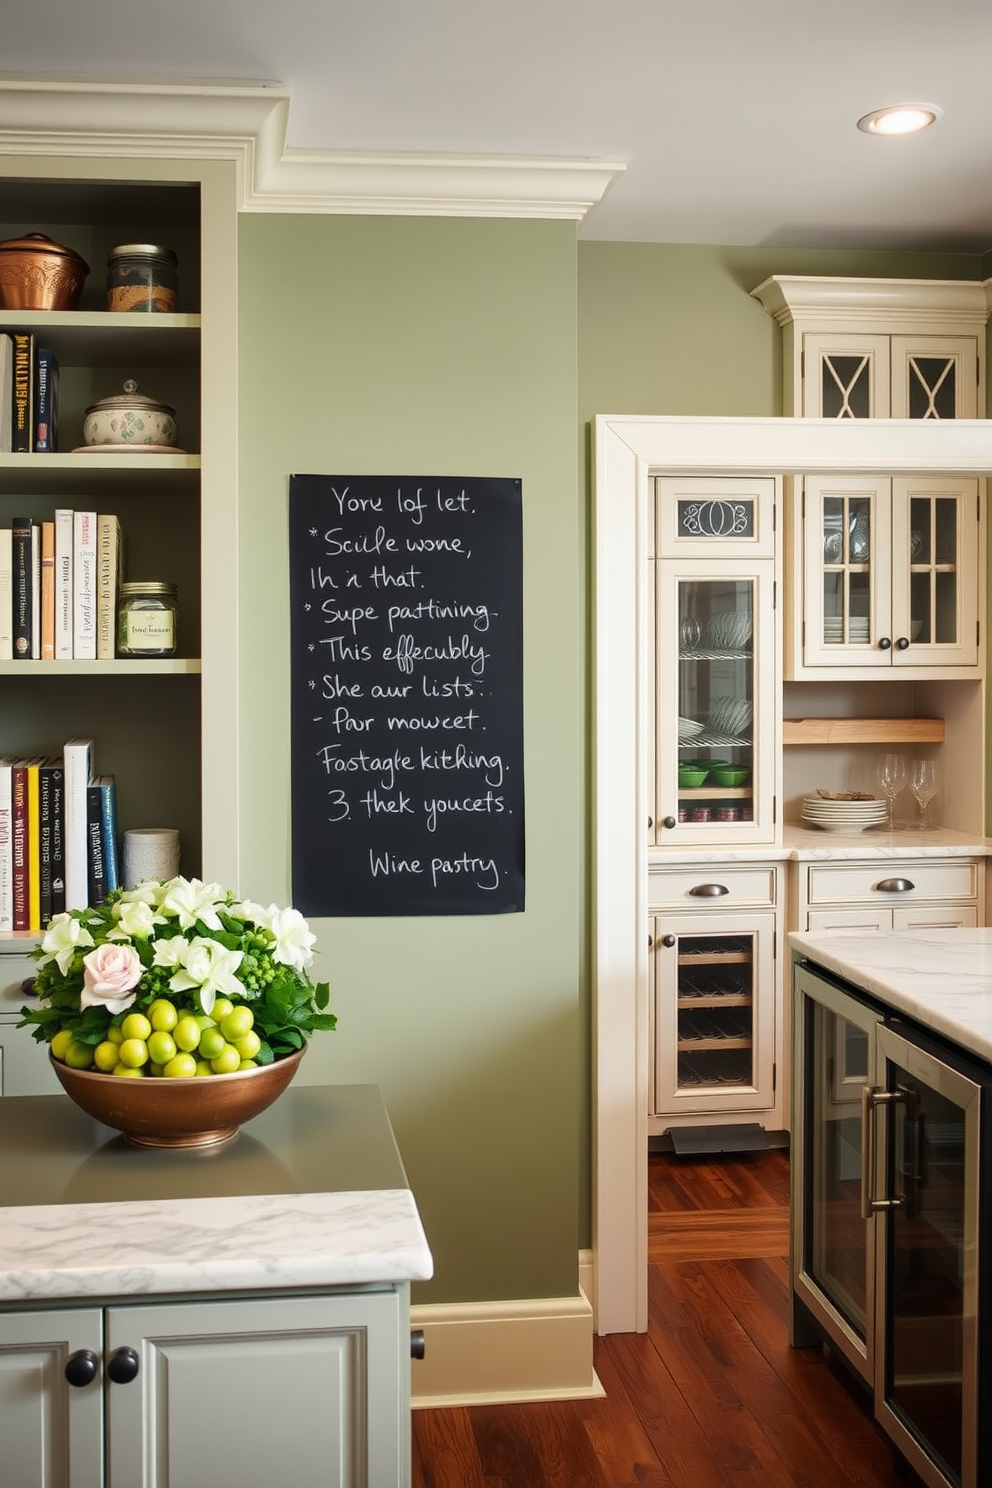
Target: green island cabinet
{"type": "Point", "coordinates": [179, 1317]}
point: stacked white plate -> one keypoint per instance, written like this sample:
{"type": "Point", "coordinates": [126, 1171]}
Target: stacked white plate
{"type": "Point", "coordinates": [857, 630]}
{"type": "Point", "coordinates": [843, 816]}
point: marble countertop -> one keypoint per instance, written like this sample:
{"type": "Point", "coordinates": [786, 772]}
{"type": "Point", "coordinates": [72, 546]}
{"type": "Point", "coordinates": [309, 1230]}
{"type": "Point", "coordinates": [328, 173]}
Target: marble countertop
{"type": "Point", "coordinates": [311, 1193]}
{"type": "Point", "coordinates": [940, 978]}
{"type": "Point", "coordinates": [801, 843]}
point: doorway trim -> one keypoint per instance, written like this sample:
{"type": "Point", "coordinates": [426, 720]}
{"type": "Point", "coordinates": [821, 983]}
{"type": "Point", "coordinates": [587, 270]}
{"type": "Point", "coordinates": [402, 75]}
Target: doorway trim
{"type": "Point", "coordinates": [628, 451]}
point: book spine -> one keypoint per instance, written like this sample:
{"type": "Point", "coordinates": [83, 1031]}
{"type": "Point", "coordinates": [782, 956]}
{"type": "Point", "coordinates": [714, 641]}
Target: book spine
{"type": "Point", "coordinates": [19, 808]}
{"type": "Point", "coordinates": [34, 848]}
{"type": "Point", "coordinates": [57, 840]}
{"type": "Point", "coordinates": [63, 584]}
{"type": "Point", "coordinates": [108, 573]}
{"type": "Point", "coordinates": [48, 591]}
{"type": "Point", "coordinates": [35, 591]}
{"type": "Point", "coordinates": [46, 401]}
{"type": "Point", "coordinates": [6, 848]}
{"type": "Point", "coordinates": [21, 570]}
{"type": "Point", "coordinates": [23, 394]}
{"type": "Point", "coordinates": [96, 877]}
{"type": "Point", "coordinates": [77, 762]}
{"type": "Point", "coordinates": [6, 392]}
{"type": "Point", "coordinates": [84, 586]}
{"type": "Point", "coordinates": [108, 822]}
{"type": "Point", "coordinates": [6, 594]}
{"type": "Point", "coordinates": [45, 842]}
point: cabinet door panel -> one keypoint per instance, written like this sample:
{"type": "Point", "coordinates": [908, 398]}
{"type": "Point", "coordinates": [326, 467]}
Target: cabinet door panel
{"type": "Point", "coordinates": [715, 1011]}
{"type": "Point", "coordinates": [935, 563]}
{"type": "Point", "coordinates": [52, 1434]}
{"type": "Point", "coordinates": [846, 572]}
{"type": "Point", "coordinates": [934, 377]}
{"type": "Point", "coordinates": [845, 375]}
{"type": "Point", "coordinates": [260, 1392]}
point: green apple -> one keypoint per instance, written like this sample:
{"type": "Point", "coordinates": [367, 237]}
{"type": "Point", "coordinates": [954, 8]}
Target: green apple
{"type": "Point", "coordinates": [180, 1067]}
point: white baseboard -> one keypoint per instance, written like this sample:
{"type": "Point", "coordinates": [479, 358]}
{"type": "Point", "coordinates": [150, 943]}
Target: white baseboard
{"type": "Point", "coordinates": [492, 1353]}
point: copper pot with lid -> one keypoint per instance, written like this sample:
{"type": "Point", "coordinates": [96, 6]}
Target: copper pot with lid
{"type": "Point", "coordinates": [39, 274]}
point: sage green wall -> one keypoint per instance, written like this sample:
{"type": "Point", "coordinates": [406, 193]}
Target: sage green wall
{"type": "Point", "coordinates": [434, 347]}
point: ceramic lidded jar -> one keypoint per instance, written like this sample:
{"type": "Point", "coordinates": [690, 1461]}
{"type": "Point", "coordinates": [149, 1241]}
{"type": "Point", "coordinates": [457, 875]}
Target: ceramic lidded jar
{"type": "Point", "coordinates": [130, 418]}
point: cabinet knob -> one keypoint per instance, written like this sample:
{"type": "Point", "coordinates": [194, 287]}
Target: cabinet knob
{"type": "Point", "coordinates": [902, 644]}
{"type": "Point", "coordinates": [709, 890]}
{"type": "Point", "coordinates": [27, 987]}
{"type": "Point", "coordinates": [418, 1343]}
{"type": "Point", "coordinates": [82, 1367]}
{"type": "Point", "coordinates": [895, 885]}
{"type": "Point", "coordinates": [668, 940]}
{"type": "Point", "coordinates": [884, 643]}
{"type": "Point", "coordinates": [123, 1366]}
{"type": "Point", "coordinates": [669, 822]}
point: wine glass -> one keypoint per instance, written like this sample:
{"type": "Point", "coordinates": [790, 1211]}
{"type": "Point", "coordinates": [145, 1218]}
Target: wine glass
{"type": "Point", "coordinates": [924, 785]}
{"type": "Point", "coordinates": [892, 774]}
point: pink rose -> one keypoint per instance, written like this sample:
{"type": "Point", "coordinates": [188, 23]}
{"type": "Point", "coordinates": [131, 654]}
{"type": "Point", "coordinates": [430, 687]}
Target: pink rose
{"type": "Point", "coordinates": [110, 974]}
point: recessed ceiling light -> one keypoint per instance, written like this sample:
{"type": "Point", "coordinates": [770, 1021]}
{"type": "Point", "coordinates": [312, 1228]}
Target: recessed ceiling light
{"type": "Point", "coordinates": [901, 118]}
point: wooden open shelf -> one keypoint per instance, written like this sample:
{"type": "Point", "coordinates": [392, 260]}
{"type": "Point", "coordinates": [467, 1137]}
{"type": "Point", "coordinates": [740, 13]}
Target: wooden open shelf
{"type": "Point", "coordinates": [863, 731]}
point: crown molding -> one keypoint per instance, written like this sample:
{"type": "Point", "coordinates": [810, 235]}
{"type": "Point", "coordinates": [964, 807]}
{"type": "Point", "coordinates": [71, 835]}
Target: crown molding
{"type": "Point", "coordinates": [247, 123]}
{"type": "Point", "coordinates": [854, 302]}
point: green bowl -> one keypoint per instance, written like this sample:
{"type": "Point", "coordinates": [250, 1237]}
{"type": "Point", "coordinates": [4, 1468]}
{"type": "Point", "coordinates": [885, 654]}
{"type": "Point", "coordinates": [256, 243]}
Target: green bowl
{"type": "Point", "coordinates": [731, 775]}
{"type": "Point", "coordinates": [690, 778]}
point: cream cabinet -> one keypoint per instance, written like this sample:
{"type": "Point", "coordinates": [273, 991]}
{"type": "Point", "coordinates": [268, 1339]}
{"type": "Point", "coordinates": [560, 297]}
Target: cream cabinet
{"type": "Point", "coordinates": [885, 576]}
{"type": "Point", "coordinates": [883, 892]}
{"type": "Point", "coordinates": [716, 641]}
{"type": "Point", "coordinates": [880, 348]}
{"type": "Point", "coordinates": [25, 1068]}
{"type": "Point", "coordinates": [188, 1393]}
{"type": "Point", "coordinates": [148, 717]}
{"type": "Point", "coordinates": [715, 995]}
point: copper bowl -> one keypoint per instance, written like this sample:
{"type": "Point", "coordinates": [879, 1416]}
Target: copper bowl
{"type": "Point", "coordinates": [196, 1112]}
{"type": "Point", "coordinates": [37, 274]}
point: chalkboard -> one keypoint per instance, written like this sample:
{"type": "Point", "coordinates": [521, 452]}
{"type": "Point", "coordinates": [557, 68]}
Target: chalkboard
{"type": "Point", "coordinates": [407, 695]}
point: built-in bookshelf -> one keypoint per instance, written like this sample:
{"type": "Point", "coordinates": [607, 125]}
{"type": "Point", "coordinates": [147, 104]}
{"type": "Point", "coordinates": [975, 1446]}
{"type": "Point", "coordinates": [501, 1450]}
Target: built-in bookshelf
{"type": "Point", "coordinates": [149, 717]}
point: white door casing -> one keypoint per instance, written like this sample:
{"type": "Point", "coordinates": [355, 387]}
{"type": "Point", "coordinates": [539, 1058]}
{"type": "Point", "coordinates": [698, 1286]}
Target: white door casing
{"type": "Point", "coordinates": [628, 452]}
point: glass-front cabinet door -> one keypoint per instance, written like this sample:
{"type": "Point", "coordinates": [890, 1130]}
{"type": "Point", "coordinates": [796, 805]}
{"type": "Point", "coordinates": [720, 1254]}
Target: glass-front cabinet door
{"type": "Point", "coordinates": [890, 573]}
{"type": "Point", "coordinates": [714, 1012]}
{"type": "Point", "coordinates": [857, 376]}
{"type": "Point", "coordinates": [715, 661]}
{"type": "Point", "coordinates": [834, 1243]}
{"type": "Point", "coordinates": [927, 1360]}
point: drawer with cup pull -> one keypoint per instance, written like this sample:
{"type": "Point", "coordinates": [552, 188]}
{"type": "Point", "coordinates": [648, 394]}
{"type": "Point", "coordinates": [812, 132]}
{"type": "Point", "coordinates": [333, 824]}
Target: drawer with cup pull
{"type": "Point", "coordinates": [892, 881]}
{"type": "Point", "coordinates": [709, 884]}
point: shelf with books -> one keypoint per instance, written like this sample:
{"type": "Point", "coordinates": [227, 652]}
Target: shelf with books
{"type": "Point", "coordinates": [148, 716]}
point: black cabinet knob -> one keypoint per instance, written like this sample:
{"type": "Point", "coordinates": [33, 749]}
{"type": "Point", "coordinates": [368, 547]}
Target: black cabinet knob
{"type": "Point", "coordinates": [902, 644]}
{"type": "Point", "coordinates": [123, 1366]}
{"type": "Point", "coordinates": [82, 1367]}
{"type": "Point", "coordinates": [418, 1343]}
{"type": "Point", "coordinates": [668, 940]}
{"type": "Point", "coordinates": [884, 643]}
{"type": "Point", "coordinates": [669, 822]}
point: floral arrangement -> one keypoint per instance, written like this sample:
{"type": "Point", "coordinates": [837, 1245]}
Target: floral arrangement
{"type": "Point", "coordinates": [176, 978]}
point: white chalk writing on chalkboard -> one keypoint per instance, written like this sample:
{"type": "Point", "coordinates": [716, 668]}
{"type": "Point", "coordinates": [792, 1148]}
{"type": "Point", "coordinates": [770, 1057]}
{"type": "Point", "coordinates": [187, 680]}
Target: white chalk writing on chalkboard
{"type": "Point", "coordinates": [407, 712]}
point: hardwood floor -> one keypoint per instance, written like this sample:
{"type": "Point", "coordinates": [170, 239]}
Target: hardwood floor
{"type": "Point", "coordinates": [711, 1396]}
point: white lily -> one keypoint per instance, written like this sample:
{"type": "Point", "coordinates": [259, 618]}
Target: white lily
{"type": "Point", "coordinates": [202, 965]}
{"type": "Point", "coordinates": [136, 920]}
{"type": "Point", "coordinates": [293, 937]}
{"type": "Point", "coordinates": [190, 900]}
{"type": "Point", "coordinates": [64, 936]}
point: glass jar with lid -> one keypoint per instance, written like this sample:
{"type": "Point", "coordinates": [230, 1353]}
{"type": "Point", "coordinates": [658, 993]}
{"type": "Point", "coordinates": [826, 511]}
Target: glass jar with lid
{"type": "Point", "coordinates": [142, 276]}
{"type": "Point", "coordinates": [147, 619]}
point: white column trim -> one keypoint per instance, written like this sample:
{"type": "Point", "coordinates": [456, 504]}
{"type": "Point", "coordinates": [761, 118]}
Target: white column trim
{"type": "Point", "coordinates": [248, 123]}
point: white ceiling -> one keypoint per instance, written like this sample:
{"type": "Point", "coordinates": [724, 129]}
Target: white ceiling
{"type": "Point", "coordinates": [735, 119]}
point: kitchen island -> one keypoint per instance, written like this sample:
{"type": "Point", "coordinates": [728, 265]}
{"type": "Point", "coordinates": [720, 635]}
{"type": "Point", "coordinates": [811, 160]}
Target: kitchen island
{"type": "Point", "coordinates": [891, 1141]}
{"type": "Point", "coordinates": [183, 1316]}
